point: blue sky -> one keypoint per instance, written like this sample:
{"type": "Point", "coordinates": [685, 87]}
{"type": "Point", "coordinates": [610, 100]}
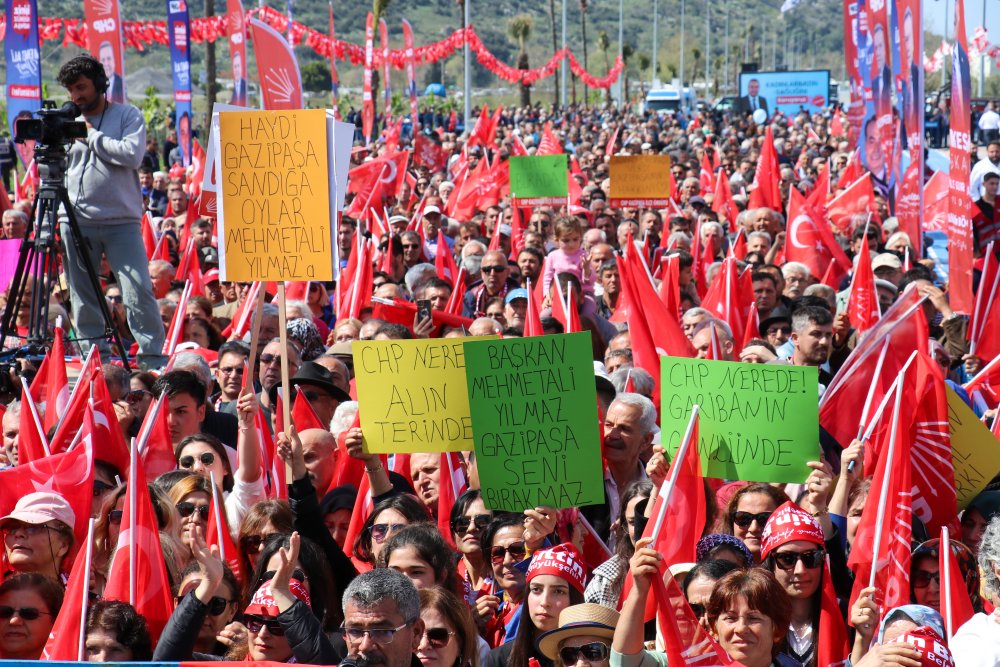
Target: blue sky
{"type": "Point", "coordinates": [934, 19]}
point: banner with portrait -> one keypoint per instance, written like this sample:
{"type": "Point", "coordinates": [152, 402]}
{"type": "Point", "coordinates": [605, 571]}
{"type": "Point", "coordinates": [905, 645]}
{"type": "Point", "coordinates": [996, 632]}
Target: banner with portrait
{"type": "Point", "coordinates": [179, 29]}
{"type": "Point", "coordinates": [24, 71]}
{"type": "Point", "coordinates": [236, 26]}
{"type": "Point", "coordinates": [909, 194]}
{"type": "Point", "coordinates": [104, 31]}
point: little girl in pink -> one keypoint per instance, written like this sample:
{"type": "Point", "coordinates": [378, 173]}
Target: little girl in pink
{"type": "Point", "coordinates": [569, 257]}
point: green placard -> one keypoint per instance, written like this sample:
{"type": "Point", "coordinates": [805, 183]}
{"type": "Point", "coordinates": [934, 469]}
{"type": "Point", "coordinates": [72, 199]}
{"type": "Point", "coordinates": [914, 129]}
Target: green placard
{"type": "Point", "coordinates": [534, 421]}
{"type": "Point", "coordinates": [539, 179]}
{"type": "Point", "coordinates": [758, 422]}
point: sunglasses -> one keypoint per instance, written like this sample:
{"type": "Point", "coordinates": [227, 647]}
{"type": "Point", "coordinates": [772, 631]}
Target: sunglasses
{"type": "Point", "coordinates": [234, 370]}
{"type": "Point", "coordinates": [115, 516]}
{"type": "Point", "coordinates": [438, 637]}
{"type": "Point", "coordinates": [381, 531]}
{"type": "Point", "coordinates": [268, 359]}
{"type": "Point", "coordinates": [592, 652]}
{"type": "Point", "coordinates": [114, 298]}
{"type": "Point", "coordinates": [410, 246]}
{"type": "Point", "coordinates": [516, 550]}
{"type": "Point", "coordinates": [216, 606]}
{"type": "Point", "coordinates": [462, 523]}
{"type": "Point", "coordinates": [786, 560]}
{"type": "Point", "coordinates": [497, 268]}
{"type": "Point", "coordinates": [745, 519]}
{"type": "Point", "coordinates": [186, 509]}
{"type": "Point", "coordinates": [776, 330]}
{"type": "Point", "coordinates": [257, 623]}
{"type": "Point", "coordinates": [26, 613]}
{"type": "Point", "coordinates": [922, 578]}
{"type": "Point", "coordinates": [206, 458]}
{"type": "Point", "coordinates": [698, 609]}
{"type": "Point", "coordinates": [136, 395]}
{"type": "Point", "coordinates": [251, 543]}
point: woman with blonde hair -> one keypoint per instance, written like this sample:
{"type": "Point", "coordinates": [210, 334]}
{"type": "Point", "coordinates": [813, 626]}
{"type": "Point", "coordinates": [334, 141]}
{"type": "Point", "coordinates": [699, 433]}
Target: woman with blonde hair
{"type": "Point", "coordinates": [450, 638]}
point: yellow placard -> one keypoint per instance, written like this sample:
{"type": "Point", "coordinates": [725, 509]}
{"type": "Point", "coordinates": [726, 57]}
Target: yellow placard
{"type": "Point", "coordinates": [975, 451]}
{"type": "Point", "coordinates": [640, 180]}
{"type": "Point", "coordinates": [275, 212]}
{"type": "Point", "coordinates": [413, 395]}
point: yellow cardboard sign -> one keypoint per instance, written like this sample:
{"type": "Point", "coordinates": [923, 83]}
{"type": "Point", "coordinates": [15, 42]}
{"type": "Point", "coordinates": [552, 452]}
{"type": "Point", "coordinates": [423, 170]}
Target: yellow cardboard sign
{"type": "Point", "coordinates": [640, 180]}
{"type": "Point", "coordinates": [413, 395]}
{"type": "Point", "coordinates": [274, 219]}
{"type": "Point", "coordinates": [975, 451]}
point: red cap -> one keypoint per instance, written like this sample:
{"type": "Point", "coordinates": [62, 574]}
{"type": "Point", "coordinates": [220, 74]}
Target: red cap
{"type": "Point", "coordinates": [790, 523]}
{"type": "Point", "coordinates": [933, 651]}
{"type": "Point", "coordinates": [263, 604]}
{"type": "Point", "coordinates": [562, 560]}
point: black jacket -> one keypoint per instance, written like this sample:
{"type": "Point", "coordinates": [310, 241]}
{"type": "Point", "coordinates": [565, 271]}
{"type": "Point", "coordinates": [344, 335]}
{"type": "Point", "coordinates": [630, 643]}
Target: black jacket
{"type": "Point", "coordinates": [500, 657]}
{"type": "Point", "coordinates": [303, 630]}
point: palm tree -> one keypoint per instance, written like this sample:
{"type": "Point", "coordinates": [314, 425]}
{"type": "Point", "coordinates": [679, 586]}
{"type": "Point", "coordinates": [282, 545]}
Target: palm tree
{"type": "Point", "coordinates": [604, 44]}
{"type": "Point", "coordinates": [627, 51]}
{"type": "Point", "coordinates": [695, 65]}
{"type": "Point", "coordinates": [519, 30]}
{"type": "Point", "coordinates": [378, 8]}
{"type": "Point", "coordinates": [555, 40]}
{"type": "Point", "coordinates": [583, 27]}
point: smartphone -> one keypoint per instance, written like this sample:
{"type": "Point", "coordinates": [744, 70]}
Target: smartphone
{"type": "Point", "coordinates": [423, 309]}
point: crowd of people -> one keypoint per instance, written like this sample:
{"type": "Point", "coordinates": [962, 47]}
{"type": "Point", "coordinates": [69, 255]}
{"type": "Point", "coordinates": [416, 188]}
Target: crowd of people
{"type": "Point", "coordinates": [383, 569]}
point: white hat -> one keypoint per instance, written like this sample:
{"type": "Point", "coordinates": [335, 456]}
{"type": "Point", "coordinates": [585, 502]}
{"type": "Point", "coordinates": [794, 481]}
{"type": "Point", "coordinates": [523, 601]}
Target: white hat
{"type": "Point", "coordinates": [428, 210]}
{"type": "Point", "coordinates": [40, 508]}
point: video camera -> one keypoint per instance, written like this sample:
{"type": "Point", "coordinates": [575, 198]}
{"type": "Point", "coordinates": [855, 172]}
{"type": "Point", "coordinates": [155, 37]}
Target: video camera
{"type": "Point", "coordinates": [52, 127]}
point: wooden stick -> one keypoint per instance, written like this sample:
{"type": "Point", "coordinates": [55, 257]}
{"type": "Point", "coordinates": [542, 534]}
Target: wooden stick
{"type": "Point", "coordinates": [675, 472]}
{"type": "Point", "coordinates": [85, 598]}
{"type": "Point", "coordinates": [943, 545]}
{"type": "Point", "coordinates": [286, 403]}
{"type": "Point", "coordinates": [258, 315]}
{"type": "Point", "coordinates": [884, 491]}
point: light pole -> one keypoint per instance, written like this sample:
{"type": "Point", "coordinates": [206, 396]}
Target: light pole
{"type": "Point", "coordinates": [467, 102]}
{"type": "Point", "coordinates": [708, 44]}
{"type": "Point", "coordinates": [562, 92]}
{"type": "Point", "coordinates": [726, 87]}
{"type": "Point", "coordinates": [982, 58]}
{"type": "Point", "coordinates": [621, 53]}
{"type": "Point", "coordinates": [656, 13]}
{"type": "Point", "coordinates": [682, 47]}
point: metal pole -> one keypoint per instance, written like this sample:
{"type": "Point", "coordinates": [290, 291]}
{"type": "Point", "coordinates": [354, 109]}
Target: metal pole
{"type": "Point", "coordinates": [562, 95]}
{"type": "Point", "coordinates": [944, 67]}
{"type": "Point", "coordinates": [682, 47]}
{"type": "Point", "coordinates": [982, 58]}
{"type": "Point", "coordinates": [467, 107]}
{"type": "Point", "coordinates": [708, 44]}
{"type": "Point", "coordinates": [621, 48]}
{"type": "Point", "coordinates": [656, 27]}
{"type": "Point", "coordinates": [726, 86]}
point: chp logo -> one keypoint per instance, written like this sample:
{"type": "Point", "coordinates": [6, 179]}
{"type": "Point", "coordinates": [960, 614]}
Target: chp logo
{"type": "Point", "coordinates": [105, 25]}
{"type": "Point", "coordinates": [180, 35]}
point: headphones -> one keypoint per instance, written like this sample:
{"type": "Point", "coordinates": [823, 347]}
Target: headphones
{"type": "Point", "coordinates": [101, 82]}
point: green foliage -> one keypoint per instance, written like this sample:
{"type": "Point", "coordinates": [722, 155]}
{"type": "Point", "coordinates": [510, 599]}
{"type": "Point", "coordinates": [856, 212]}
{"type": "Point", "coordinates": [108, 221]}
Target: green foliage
{"type": "Point", "coordinates": [155, 113]}
{"type": "Point", "coordinates": [316, 76]}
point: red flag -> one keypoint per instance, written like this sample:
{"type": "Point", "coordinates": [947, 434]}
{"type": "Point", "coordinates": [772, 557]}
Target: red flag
{"type": "Point", "coordinates": [362, 508]}
{"type": "Point", "coordinates": [836, 126]}
{"type": "Point", "coordinates": [480, 131]}
{"type": "Point", "coordinates": [138, 572]}
{"type": "Point", "coordinates": [550, 144]}
{"type": "Point", "coordinates": [686, 642]}
{"type": "Point", "coordinates": [68, 633]}
{"type": "Point", "coordinates": [810, 240]}
{"type": "Point", "coordinates": [453, 485]}
{"type": "Point", "coordinates": [852, 172]}
{"type": "Point", "coordinates": [817, 197]}
{"type": "Point", "coordinates": [862, 306]}
{"type": "Point", "coordinates": [428, 153]}
{"type": "Point", "coordinates": [148, 236]}
{"type": "Point", "coordinates": [31, 442]}
{"type": "Point", "coordinates": [277, 67]}
{"type": "Point", "coordinates": [670, 288]}
{"type": "Point", "coordinates": [983, 331]}
{"type": "Point", "coordinates": [349, 469]}
{"type": "Point", "coordinates": [176, 329]}
{"type": "Point", "coordinates": [455, 301]}
{"type": "Point", "coordinates": [609, 149]}
{"type": "Point", "coordinates": [857, 200]}
{"type": "Point", "coordinates": [217, 533]}
{"type": "Point", "coordinates": [956, 606]}
{"type": "Point", "coordinates": [50, 388]}
{"type": "Point", "coordinates": [154, 443]}
{"type": "Point", "coordinates": [722, 202]}
{"type": "Point", "coordinates": [368, 104]}
{"type": "Point", "coordinates": [726, 299]}
{"type": "Point", "coordinates": [78, 400]}
{"type": "Point", "coordinates": [765, 191]}
{"type": "Point", "coordinates": [532, 320]}
{"type": "Point", "coordinates": [705, 174]}
{"type": "Point", "coordinates": [411, 74]}
{"type": "Point", "coordinates": [752, 329]}
{"type": "Point", "coordinates": [831, 644]}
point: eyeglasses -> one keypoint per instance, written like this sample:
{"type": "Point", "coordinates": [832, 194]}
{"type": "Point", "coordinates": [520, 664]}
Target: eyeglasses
{"type": "Point", "coordinates": [744, 519]}
{"type": "Point", "coordinates": [26, 613]}
{"type": "Point", "coordinates": [137, 395]}
{"type": "Point", "coordinates": [771, 331]}
{"type": "Point", "coordinates": [216, 606]}
{"type": "Point", "coordinates": [516, 550]}
{"type": "Point", "coordinates": [377, 635]}
{"type": "Point", "coordinates": [410, 246]}
{"type": "Point", "coordinates": [29, 529]}
{"type": "Point", "coordinates": [257, 623]}
{"type": "Point", "coordinates": [186, 509]}
{"type": "Point", "coordinates": [438, 637]}
{"type": "Point", "coordinates": [698, 609]}
{"type": "Point", "coordinates": [923, 578]}
{"type": "Point", "coordinates": [115, 516]}
{"type": "Point", "coordinates": [462, 523]}
{"type": "Point", "coordinates": [268, 359]}
{"type": "Point", "coordinates": [100, 488]}
{"type": "Point", "coordinates": [381, 531]}
{"type": "Point", "coordinates": [786, 560]}
{"type": "Point", "coordinates": [592, 652]}
{"type": "Point", "coordinates": [206, 458]}
{"type": "Point", "coordinates": [233, 370]}
{"type": "Point", "coordinates": [497, 268]}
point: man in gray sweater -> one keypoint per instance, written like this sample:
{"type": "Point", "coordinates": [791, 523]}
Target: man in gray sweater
{"type": "Point", "coordinates": [103, 184]}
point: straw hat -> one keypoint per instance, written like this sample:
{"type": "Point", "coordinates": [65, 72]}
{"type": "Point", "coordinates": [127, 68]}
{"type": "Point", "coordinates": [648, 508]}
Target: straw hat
{"type": "Point", "coordinates": [578, 619]}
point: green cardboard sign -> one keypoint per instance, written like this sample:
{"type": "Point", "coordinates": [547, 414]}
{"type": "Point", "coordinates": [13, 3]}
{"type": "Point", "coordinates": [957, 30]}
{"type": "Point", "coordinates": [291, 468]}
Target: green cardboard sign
{"type": "Point", "coordinates": [534, 421]}
{"type": "Point", "coordinates": [758, 422]}
{"type": "Point", "coordinates": [539, 180]}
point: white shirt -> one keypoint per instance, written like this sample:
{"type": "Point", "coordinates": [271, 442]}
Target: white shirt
{"type": "Point", "coordinates": [979, 170]}
{"type": "Point", "coordinates": [977, 643]}
{"type": "Point", "coordinates": [990, 120]}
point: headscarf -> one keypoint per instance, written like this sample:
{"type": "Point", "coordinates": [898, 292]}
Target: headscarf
{"type": "Point", "coordinates": [918, 613]}
{"type": "Point", "coordinates": [305, 333]}
{"type": "Point", "coordinates": [710, 542]}
{"type": "Point", "coordinates": [562, 560]}
{"type": "Point", "coordinates": [790, 523]}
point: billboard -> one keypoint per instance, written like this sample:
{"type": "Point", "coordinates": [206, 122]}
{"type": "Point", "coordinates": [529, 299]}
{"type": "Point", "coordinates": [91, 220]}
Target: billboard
{"type": "Point", "coordinates": [787, 92]}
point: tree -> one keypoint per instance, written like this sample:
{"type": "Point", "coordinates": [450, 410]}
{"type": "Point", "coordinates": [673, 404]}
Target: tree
{"type": "Point", "coordinates": [555, 41]}
{"type": "Point", "coordinates": [604, 44]}
{"type": "Point", "coordinates": [519, 30]}
{"type": "Point", "coordinates": [695, 65]}
{"type": "Point", "coordinates": [211, 73]}
{"type": "Point", "coordinates": [627, 51]}
{"type": "Point", "coordinates": [316, 76]}
{"type": "Point", "coordinates": [378, 8]}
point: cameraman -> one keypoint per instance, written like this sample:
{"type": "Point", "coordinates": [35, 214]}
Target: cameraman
{"type": "Point", "coordinates": [104, 191]}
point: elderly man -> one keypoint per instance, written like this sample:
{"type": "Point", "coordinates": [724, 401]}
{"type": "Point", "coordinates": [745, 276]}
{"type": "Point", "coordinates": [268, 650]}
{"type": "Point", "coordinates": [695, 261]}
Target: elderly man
{"type": "Point", "coordinates": [516, 308]}
{"type": "Point", "coordinates": [161, 273]}
{"type": "Point", "coordinates": [316, 384]}
{"type": "Point", "coordinates": [629, 426]}
{"type": "Point", "coordinates": [229, 376]}
{"type": "Point", "coordinates": [797, 279]}
{"type": "Point", "coordinates": [382, 619]}
{"type": "Point", "coordinates": [722, 347]}
{"type": "Point", "coordinates": [15, 224]}
{"type": "Point", "coordinates": [691, 318]}
{"type": "Point", "coordinates": [319, 450]}
{"type": "Point", "coordinates": [269, 371]}
{"type": "Point", "coordinates": [11, 426]}
{"type": "Point", "coordinates": [495, 281]}
{"type": "Point", "coordinates": [432, 222]}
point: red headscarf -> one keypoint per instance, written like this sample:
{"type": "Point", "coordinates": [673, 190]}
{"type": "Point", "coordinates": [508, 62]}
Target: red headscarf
{"type": "Point", "coordinates": [790, 523]}
{"type": "Point", "coordinates": [562, 560]}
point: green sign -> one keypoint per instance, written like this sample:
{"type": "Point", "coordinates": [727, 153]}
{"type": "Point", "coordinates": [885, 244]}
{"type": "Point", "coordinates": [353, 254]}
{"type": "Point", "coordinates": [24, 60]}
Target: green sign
{"type": "Point", "coordinates": [539, 180]}
{"type": "Point", "coordinates": [758, 422]}
{"type": "Point", "coordinates": [534, 421]}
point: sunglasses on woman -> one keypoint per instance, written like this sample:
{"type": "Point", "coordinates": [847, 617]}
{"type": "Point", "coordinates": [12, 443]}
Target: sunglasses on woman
{"type": "Point", "coordinates": [257, 623]}
{"type": "Point", "coordinates": [923, 578]}
{"type": "Point", "coordinates": [745, 519]}
{"type": "Point", "coordinates": [216, 606]}
{"type": "Point", "coordinates": [26, 613]}
{"type": "Point", "coordinates": [381, 531]}
{"type": "Point", "coordinates": [786, 560]}
{"type": "Point", "coordinates": [592, 652]}
{"type": "Point", "coordinates": [206, 458]}
{"type": "Point", "coordinates": [186, 509]}
{"type": "Point", "coordinates": [462, 523]}
{"type": "Point", "coordinates": [251, 543]}
{"type": "Point", "coordinates": [516, 550]}
{"type": "Point", "coordinates": [438, 637]}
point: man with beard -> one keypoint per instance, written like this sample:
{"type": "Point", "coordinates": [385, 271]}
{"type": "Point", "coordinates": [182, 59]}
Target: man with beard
{"type": "Point", "coordinates": [382, 623]}
{"type": "Point", "coordinates": [812, 338]}
{"type": "Point", "coordinates": [628, 439]}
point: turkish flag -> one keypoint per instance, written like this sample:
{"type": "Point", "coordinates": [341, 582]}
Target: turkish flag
{"type": "Point", "coordinates": [31, 442]}
{"type": "Point", "coordinates": [138, 573]}
{"type": "Point", "coordinates": [857, 200]}
{"type": "Point", "coordinates": [277, 67]}
{"type": "Point", "coordinates": [726, 297]}
{"type": "Point", "coordinates": [375, 182]}
{"type": "Point", "coordinates": [686, 641]}
{"type": "Point", "coordinates": [722, 202]}
{"type": "Point", "coordinates": [66, 638]}
{"type": "Point", "coordinates": [862, 305]}
{"type": "Point", "coordinates": [765, 191]}
{"type": "Point", "coordinates": [154, 442]}
{"type": "Point", "coordinates": [810, 240]}
{"type": "Point", "coordinates": [532, 318]}
{"type": "Point", "coordinates": [705, 174]}
{"type": "Point", "coordinates": [953, 587]}
{"type": "Point", "coordinates": [148, 236]}
{"type": "Point", "coordinates": [455, 301]}
{"type": "Point", "coordinates": [453, 484]}
{"type": "Point", "coordinates": [217, 534]}
{"type": "Point", "coordinates": [983, 331]}
{"type": "Point", "coordinates": [73, 416]}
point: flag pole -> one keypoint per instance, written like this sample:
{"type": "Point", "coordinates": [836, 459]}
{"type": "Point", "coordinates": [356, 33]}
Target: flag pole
{"type": "Point", "coordinates": [871, 390]}
{"type": "Point", "coordinates": [132, 474]}
{"type": "Point", "coordinates": [884, 492]}
{"type": "Point", "coordinates": [147, 423]}
{"type": "Point", "coordinates": [675, 472]}
{"type": "Point", "coordinates": [945, 546]}
{"type": "Point", "coordinates": [885, 400]}
{"type": "Point", "coordinates": [85, 598]}
{"type": "Point", "coordinates": [218, 516]}
{"type": "Point", "coordinates": [29, 399]}
{"type": "Point", "coordinates": [984, 370]}
{"type": "Point", "coordinates": [978, 330]}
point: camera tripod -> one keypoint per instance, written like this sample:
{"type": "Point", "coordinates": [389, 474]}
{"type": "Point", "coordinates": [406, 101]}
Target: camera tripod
{"type": "Point", "coordinates": [38, 263]}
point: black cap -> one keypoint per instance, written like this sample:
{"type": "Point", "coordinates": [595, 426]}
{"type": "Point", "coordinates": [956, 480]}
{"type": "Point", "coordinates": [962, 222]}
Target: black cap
{"type": "Point", "coordinates": [316, 375]}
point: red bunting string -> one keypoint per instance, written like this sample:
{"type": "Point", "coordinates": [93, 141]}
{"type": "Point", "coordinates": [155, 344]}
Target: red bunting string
{"type": "Point", "coordinates": [140, 34]}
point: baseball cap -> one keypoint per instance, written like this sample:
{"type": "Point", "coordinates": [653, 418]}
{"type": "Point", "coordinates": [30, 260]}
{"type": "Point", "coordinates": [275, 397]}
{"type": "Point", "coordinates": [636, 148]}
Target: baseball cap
{"type": "Point", "coordinates": [886, 260]}
{"type": "Point", "coordinates": [40, 508]}
{"type": "Point", "coordinates": [430, 210]}
{"type": "Point", "coordinates": [519, 293]}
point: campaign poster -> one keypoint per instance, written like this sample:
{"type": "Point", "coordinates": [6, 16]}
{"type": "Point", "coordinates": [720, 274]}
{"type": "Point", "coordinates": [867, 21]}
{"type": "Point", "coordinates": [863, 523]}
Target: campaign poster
{"type": "Point", "coordinates": [179, 29]}
{"type": "Point", "coordinates": [237, 50]}
{"type": "Point", "coordinates": [104, 30]}
{"type": "Point", "coordinates": [787, 92]}
{"type": "Point", "coordinates": [24, 72]}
